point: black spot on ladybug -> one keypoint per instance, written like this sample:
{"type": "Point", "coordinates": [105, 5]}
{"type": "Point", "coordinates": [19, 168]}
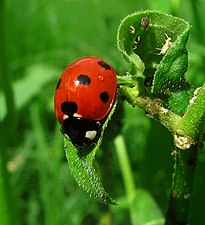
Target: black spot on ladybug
{"type": "Point", "coordinates": [69, 108]}
{"type": "Point", "coordinates": [83, 79]}
{"type": "Point", "coordinates": [104, 96]}
{"type": "Point", "coordinates": [104, 65]}
{"type": "Point", "coordinates": [58, 84]}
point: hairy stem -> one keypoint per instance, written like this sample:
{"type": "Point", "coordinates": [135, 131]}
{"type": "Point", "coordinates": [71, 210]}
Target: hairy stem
{"type": "Point", "coordinates": [152, 107]}
{"type": "Point", "coordinates": [192, 123]}
{"type": "Point", "coordinates": [187, 132]}
{"type": "Point", "coordinates": [182, 184]}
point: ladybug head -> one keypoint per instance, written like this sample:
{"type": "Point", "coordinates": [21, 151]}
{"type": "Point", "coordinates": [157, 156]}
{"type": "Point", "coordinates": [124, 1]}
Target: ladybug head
{"type": "Point", "coordinates": [82, 132]}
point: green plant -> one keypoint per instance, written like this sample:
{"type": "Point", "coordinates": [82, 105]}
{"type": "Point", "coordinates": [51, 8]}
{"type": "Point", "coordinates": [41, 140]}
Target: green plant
{"type": "Point", "coordinates": [154, 46]}
{"type": "Point", "coordinates": [38, 40]}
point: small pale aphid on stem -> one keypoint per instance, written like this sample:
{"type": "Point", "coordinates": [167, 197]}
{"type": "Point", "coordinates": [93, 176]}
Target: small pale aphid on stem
{"type": "Point", "coordinates": [137, 42]}
{"type": "Point", "coordinates": [166, 46]}
{"type": "Point", "coordinates": [132, 29]}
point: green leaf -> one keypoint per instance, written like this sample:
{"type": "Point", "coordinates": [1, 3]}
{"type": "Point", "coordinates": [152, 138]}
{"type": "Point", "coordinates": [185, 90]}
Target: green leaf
{"type": "Point", "coordinates": [169, 76]}
{"type": "Point", "coordinates": [38, 75]}
{"type": "Point", "coordinates": [154, 44]}
{"type": "Point", "coordinates": [84, 168]}
{"type": "Point", "coordinates": [179, 101]}
{"type": "Point", "coordinates": [126, 38]}
{"type": "Point", "coordinates": [145, 208]}
{"type": "Point", "coordinates": [141, 37]}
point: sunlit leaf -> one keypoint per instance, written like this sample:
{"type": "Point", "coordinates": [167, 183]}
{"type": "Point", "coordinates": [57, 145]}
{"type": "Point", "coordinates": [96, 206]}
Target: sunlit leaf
{"type": "Point", "coordinates": [85, 169]}
{"type": "Point", "coordinates": [36, 76]}
{"type": "Point", "coordinates": [143, 208]}
{"type": "Point", "coordinates": [147, 210]}
{"type": "Point", "coordinates": [154, 44]}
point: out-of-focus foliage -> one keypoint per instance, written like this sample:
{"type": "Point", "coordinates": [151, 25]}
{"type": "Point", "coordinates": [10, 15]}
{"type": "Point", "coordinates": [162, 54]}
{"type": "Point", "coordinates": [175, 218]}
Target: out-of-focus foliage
{"type": "Point", "coordinates": [41, 38]}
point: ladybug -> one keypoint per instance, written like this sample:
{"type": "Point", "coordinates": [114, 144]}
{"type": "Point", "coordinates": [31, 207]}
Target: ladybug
{"type": "Point", "coordinates": [84, 96]}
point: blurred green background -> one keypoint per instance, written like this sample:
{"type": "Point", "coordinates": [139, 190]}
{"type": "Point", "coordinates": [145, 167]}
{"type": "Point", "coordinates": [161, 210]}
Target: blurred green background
{"type": "Point", "coordinates": [38, 40]}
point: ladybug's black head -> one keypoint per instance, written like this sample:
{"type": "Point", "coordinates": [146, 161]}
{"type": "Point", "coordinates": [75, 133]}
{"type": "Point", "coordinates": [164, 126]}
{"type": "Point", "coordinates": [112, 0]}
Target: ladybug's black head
{"type": "Point", "coordinates": [82, 132]}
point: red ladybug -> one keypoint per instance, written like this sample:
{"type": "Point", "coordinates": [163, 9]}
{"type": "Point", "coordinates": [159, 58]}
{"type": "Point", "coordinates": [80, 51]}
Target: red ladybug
{"type": "Point", "coordinates": [84, 96]}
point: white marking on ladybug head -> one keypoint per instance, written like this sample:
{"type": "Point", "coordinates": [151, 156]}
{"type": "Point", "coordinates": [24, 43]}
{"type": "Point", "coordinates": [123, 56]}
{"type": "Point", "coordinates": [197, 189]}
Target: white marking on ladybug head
{"type": "Point", "coordinates": [91, 134]}
{"type": "Point", "coordinates": [76, 115]}
{"type": "Point", "coordinates": [65, 117]}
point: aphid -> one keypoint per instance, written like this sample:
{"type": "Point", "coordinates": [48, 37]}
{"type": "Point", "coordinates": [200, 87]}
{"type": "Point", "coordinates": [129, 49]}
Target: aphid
{"type": "Point", "coordinates": [145, 21]}
{"type": "Point", "coordinates": [166, 46]}
{"type": "Point", "coordinates": [192, 100]}
{"type": "Point", "coordinates": [132, 29]}
{"type": "Point", "coordinates": [137, 42]}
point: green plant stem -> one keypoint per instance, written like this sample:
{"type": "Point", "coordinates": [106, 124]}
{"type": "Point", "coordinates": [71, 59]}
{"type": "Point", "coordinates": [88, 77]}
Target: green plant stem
{"type": "Point", "coordinates": [128, 178]}
{"type": "Point", "coordinates": [6, 209]}
{"type": "Point", "coordinates": [182, 184]}
{"type": "Point", "coordinates": [5, 78]}
{"type": "Point", "coordinates": [151, 107]}
{"type": "Point", "coordinates": [192, 123]}
{"type": "Point", "coordinates": [125, 80]}
{"type": "Point", "coordinates": [188, 130]}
